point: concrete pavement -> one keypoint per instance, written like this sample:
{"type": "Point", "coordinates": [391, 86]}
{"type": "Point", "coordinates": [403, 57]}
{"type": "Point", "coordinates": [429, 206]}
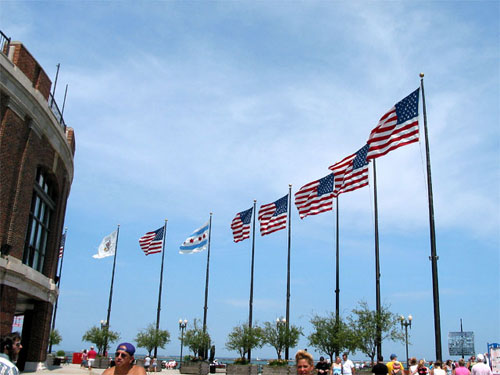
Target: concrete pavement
{"type": "Point", "coordinates": [72, 369]}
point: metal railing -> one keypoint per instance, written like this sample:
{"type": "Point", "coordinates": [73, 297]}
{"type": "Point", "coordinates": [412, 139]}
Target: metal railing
{"type": "Point", "coordinates": [57, 113]}
{"type": "Point", "coordinates": [4, 43]}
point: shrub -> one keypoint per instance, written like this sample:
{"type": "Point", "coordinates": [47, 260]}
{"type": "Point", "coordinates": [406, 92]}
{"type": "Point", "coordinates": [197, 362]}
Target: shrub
{"type": "Point", "coordinates": [60, 353]}
{"type": "Point", "coordinates": [278, 362]}
{"type": "Point", "coordinates": [241, 361]}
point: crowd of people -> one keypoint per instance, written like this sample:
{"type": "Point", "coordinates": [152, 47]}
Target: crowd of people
{"type": "Point", "coordinates": [476, 365]}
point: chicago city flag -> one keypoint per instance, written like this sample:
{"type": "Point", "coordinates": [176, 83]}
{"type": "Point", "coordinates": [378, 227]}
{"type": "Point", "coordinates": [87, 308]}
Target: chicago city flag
{"type": "Point", "coordinates": [197, 241]}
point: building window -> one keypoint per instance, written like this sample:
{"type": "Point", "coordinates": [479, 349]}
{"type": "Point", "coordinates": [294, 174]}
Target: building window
{"type": "Point", "coordinates": [42, 207]}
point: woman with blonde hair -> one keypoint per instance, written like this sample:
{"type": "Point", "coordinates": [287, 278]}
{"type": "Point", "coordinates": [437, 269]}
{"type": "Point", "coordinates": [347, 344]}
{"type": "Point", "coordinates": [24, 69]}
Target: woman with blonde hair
{"type": "Point", "coordinates": [304, 362]}
{"type": "Point", "coordinates": [421, 369]}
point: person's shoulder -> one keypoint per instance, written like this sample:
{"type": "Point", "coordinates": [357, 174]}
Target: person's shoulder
{"type": "Point", "coordinates": [109, 371]}
{"type": "Point", "coordinates": [137, 370]}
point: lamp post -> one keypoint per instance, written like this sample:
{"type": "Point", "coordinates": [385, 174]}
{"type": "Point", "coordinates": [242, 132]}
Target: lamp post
{"type": "Point", "coordinates": [406, 322]}
{"type": "Point", "coordinates": [280, 325]}
{"type": "Point", "coordinates": [182, 327]}
{"type": "Point", "coordinates": [104, 326]}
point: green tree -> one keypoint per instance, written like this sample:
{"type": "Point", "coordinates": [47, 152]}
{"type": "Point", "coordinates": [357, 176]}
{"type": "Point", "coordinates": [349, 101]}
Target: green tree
{"type": "Point", "coordinates": [98, 335]}
{"type": "Point", "coordinates": [197, 340]}
{"type": "Point", "coordinates": [151, 338]}
{"type": "Point", "coordinates": [330, 336]}
{"type": "Point", "coordinates": [55, 337]}
{"type": "Point", "coordinates": [243, 338]}
{"type": "Point", "coordinates": [365, 322]}
{"type": "Point", "coordinates": [277, 336]}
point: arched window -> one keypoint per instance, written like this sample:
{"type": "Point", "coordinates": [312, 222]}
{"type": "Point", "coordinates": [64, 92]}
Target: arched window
{"type": "Point", "coordinates": [42, 207]}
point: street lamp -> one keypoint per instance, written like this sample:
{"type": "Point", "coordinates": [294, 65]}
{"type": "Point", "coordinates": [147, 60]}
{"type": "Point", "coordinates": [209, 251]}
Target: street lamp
{"type": "Point", "coordinates": [182, 327]}
{"type": "Point", "coordinates": [280, 324]}
{"type": "Point", "coordinates": [406, 323]}
{"type": "Point", "coordinates": [104, 325]}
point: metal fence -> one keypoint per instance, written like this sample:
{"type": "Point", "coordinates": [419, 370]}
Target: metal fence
{"type": "Point", "coordinates": [55, 110]}
{"type": "Point", "coordinates": [4, 43]}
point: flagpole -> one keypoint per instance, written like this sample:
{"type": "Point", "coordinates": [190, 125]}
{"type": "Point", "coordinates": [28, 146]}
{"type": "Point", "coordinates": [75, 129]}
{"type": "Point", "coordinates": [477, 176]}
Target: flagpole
{"type": "Point", "coordinates": [58, 287]}
{"type": "Point", "coordinates": [378, 337]}
{"type": "Point", "coordinates": [205, 308]}
{"type": "Point", "coordinates": [287, 322]}
{"type": "Point", "coordinates": [434, 258]}
{"type": "Point", "coordinates": [250, 307]}
{"type": "Point", "coordinates": [161, 284]}
{"type": "Point", "coordinates": [337, 274]}
{"type": "Point", "coordinates": [111, 291]}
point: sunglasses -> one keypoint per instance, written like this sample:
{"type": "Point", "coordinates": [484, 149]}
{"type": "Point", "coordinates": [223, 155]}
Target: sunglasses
{"type": "Point", "coordinates": [123, 355]}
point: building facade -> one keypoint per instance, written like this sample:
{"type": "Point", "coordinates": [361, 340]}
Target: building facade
{"type": "Point", "coordinates": [36, 172]}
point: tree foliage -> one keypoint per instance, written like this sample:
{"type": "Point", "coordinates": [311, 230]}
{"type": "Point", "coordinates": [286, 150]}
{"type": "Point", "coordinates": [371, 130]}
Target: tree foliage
{"type": "Point", "coordinates": [242, 339]}
{"type": "Point", "coordinates": [150, 338]}
{"type": "Point", "coordinates": [55, 337]}
{"type": "Point", "coordinates": [98, 336]}
{"type": "Point", "coordinates": [197, 340]}
{"type": "Point", "coordinates": [332, 337]}
{"type": "Point", "coordinates": [277, 336]}
{"type": "Point", "coordinates": [364, 322]}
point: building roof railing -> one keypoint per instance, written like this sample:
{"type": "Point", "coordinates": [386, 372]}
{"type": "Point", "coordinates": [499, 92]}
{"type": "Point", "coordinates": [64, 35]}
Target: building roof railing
{"type": "Point", "coordinates": [4, 48]}
{"type": "Point", "coordinates": [4, 43]}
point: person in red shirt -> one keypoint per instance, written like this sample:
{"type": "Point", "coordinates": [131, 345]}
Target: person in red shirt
{"type": "Point", "coordinates": [91, 355]}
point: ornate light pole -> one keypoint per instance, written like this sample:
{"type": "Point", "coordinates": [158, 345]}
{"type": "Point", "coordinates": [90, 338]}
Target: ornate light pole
{"type": "Point", "coordinates": [182, 327]}
{"type": "Point", "coordinates": [280, 325]}
{"type": "Point", "coordinates": [406, 323]}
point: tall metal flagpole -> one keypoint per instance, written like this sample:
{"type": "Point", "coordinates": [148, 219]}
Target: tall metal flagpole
{"type": "Point", "coordinates": [161, 284]}
{"type": "Point", "coordinates": [378, 338]}
{"type": "Point", "coordinates": [287, 356]}
{"type": "Point", "coordinates": [433, 258]}
{"type": "Point", "coordinates": [337, 275]}
{"type": "Point", "coordinates": [250, 309]}
{"type": "Point", "coordinates": [205, 308]}
{"type": "Point", "coordinates": [111, 291]}
{"type": "Point", "coordinates": [58, 287]}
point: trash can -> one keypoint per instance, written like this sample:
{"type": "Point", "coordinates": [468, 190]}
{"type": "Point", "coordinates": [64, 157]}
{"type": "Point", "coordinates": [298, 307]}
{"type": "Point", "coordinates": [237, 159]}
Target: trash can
{"type": "Point", "coordinates": [77, 358]}
{"type": "Point", "coordinates": [212, 368]}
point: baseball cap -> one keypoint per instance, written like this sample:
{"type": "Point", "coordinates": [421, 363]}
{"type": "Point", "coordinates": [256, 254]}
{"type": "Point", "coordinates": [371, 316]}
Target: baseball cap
{"type": "Point", "coordinates": [393, 356]}
{"type": "Point", "coordinates": [480, 357]}
{"type": "Point", "coordinates": [126, 347]}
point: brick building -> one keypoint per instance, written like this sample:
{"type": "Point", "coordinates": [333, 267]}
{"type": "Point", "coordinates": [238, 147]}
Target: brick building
{"type": "Point", "coordinates": [36, 171]}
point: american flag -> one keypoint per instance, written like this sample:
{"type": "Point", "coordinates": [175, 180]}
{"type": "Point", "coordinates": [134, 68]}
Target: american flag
{"type": "Point", "coordinates": [61, 247]}
{"type": "Point", "coordinates": [152, 242]}
{"type": "Point", "coordinates": [272, 217]}
{"type": "Point", "coordinates": [352, 171]}
{"type": "Point", "coordinates": [396, 128]}
{"type": "Point", "coordinates": [315, 197]}
{"type": "Point", "coordinates": [241, 225]}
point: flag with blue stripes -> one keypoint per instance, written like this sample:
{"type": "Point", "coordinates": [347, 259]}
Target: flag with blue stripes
{"type": "Point", "coordinates": [197, 241]}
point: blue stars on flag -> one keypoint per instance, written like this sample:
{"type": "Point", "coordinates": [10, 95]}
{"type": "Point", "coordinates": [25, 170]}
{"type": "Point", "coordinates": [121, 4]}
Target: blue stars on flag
{"type": "Point", "coordinates": [281, 206]}
{"type": "Point", "coordinates": [246, 216]}
{"type": "Point", "coordinates": [325, 185]}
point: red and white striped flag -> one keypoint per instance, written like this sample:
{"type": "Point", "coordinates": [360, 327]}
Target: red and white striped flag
{"type": "Point", "coordinates": [272, 217]}
{"type": "Point", "coordinates": [352, 171]}
{"type": "Point", "coordinates": [241, 225]}
{"type": "Point", "coordinates": [152, 242]}
{"type": "Point", "coordinates": [396, 128]}
{"type": "Point", "coordinates": [61, 247]}
{"type": "Point", "coordinates": [315, 197]}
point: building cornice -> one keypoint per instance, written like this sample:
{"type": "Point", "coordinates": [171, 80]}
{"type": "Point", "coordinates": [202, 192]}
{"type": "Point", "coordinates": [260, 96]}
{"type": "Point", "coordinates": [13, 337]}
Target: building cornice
{"type": "Point", "coordinates": [26, 101]}
{"type": "Point", "coordinates": [26, 280]}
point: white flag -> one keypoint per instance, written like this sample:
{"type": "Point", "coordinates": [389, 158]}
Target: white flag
{"type": "Point", "coordinates": [196, 242]}
{"type": "Point", "coordinates": [107, 247]}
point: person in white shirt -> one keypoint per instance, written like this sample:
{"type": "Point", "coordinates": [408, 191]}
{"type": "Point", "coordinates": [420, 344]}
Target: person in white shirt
{"type": "Point", "coordinates": [347, 366]}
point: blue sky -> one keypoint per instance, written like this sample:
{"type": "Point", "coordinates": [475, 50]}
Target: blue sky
{"type": "Point", "coordinates": [186, 108]}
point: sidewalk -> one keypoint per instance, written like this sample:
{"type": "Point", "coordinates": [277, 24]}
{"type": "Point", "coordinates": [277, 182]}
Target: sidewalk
{"type": "Point", "coordinates": [72, 369]}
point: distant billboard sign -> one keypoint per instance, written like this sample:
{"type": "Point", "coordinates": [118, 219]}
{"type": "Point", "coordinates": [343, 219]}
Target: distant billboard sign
{"type": "Point", "coordinates": [461, 343]}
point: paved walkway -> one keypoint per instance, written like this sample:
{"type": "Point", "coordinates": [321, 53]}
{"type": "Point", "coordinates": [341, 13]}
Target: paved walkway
{"type": "Point", "coordinates": [72, 369]}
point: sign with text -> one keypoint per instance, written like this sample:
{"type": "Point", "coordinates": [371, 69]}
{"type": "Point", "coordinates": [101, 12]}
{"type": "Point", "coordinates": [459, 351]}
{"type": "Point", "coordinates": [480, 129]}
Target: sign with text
{"type": "Point", "coordinates": [461, 343]}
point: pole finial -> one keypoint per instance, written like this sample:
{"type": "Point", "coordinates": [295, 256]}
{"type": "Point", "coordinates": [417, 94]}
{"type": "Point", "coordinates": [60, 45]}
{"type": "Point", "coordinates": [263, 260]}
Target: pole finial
{"type": "Point", "coordinates": [118, 224]}
{"type": "Point", "coordinates": [211, 213]}
{"type": "Point", "coordinates": [289, 185]}
{"type": "Point", "coordinates": [255, 201]}
{"type": "Point", "coordinates": [421, 75]}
